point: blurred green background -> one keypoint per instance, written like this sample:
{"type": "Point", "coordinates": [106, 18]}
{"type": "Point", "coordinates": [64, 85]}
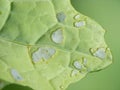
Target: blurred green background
{"type": "Point", "coordinates": [107, 14]}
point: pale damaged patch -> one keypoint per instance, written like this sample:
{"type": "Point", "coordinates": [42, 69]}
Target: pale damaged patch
{"type": "Point", "coordinates": [77, 65]}
{"type": "Point", "coordinates": [79, 24]}
{"type": "Point", "coordinates": [100, 53]}
{"type": "Point", "coordinates": [61, 17]}
{"type": "Point", "coordinates": [77, 17]}
{"type": "Point", "coordinates": [57, 36]}
{"type": "Point", "coordinates": [74, 73]}
{"type": "Point", "coordinates": [43, 53]}
{"type": "Point", "coordinates": [16, 75]}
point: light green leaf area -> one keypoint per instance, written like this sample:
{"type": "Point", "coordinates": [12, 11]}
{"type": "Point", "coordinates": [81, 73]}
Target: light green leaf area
{"type": "Point", "coordinates": [47, 44]}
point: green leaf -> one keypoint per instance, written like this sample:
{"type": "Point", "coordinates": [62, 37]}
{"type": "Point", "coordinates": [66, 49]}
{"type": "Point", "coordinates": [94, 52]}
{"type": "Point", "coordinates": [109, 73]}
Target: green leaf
{"type": "Point", "coordinates": [47, 44]}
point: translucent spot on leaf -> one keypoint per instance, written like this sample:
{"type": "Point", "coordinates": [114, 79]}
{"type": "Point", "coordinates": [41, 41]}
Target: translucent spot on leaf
{"type": "Point", "coordinates": [100, 53]}
{"type": "Point", "coordinates": [79, 24]}
{"type": "Point", "coordinates": [16, 75]}
{"type": "Point", "coordinates": [43, 53]}
{"type": "Point", "coordinates": [61, 17]}
{"type": "Point", "coordinates": [77, 17]}
{"type": "Point", "coordinates": [47, 52]}
{"type": "Point", "coordinates": [36, 56]}
{"type": "Point", "coordinates": [57, 36]}
{"type": "Point", "coordinates": [77, 65]}
{"type": "Point", "coordinates": [74, 73]}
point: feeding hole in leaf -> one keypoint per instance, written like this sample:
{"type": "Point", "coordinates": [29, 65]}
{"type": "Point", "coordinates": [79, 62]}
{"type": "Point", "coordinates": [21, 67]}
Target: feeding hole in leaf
{"type": "Point", "coordinates": [77, 65]}
{"type": "Point", "coordinates": [57, 36]}
{"type": "Point", "coordinates": [79, 24]}
{"type": "Point", "coordinates": [43, 53]}
{"type": "Point", "coordinates": [16, 75]}
{"type": "Point", "coordinates": [77, 17]}
{"type": "Point", "coordinates": [74, 73]}
{"type": "Point", "coordinates": [61, 17]}
{"type": "Point", "coordinates": [100, 53]}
